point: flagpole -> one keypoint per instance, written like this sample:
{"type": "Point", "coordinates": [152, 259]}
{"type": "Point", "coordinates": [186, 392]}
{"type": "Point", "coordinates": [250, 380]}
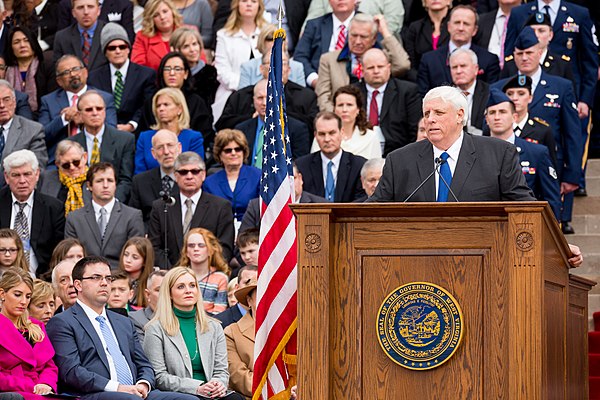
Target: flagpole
{"type": "Point", "coordinates": [280, 13]}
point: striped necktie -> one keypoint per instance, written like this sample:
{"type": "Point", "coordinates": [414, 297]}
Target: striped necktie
{"type": "Point", "coordinates": [118, 92]}
{"type": "Point", "coordinates": [22, 227]}
{"type": "Point", "coordinates": [123, 372]}
{"type": "Point", "coordinates": [341, 39]}
{"type": "Point", "coordinates": [86, 48]}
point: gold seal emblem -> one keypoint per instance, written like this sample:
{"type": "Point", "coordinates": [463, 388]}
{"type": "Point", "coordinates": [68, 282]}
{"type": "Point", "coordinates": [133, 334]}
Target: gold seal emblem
{"type": "Point", "coordinates": [420, 325]}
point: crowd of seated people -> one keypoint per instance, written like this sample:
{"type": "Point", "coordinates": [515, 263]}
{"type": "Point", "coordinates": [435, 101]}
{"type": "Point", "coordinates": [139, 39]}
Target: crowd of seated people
{"type": "Point", "coordinates": [131, 156]}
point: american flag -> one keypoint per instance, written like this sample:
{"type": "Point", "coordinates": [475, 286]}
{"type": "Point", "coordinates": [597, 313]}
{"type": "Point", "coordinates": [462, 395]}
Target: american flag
{"type": "Point", "coordinates": [277, 258]}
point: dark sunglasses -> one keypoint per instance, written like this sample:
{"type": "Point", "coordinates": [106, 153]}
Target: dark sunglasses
{"type": "Point", "coordinates": [120, 47]}
{"type": "Point", "coordinates": [184, 172]}
{"type": "Point", "coordinates": [67, 165]}
{"type": "Point", "coordinates": [230, 150]}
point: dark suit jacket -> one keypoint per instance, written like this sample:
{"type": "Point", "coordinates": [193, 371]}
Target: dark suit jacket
{"type": "Point", "coordinates": [480, 98]}
{"type": "Point", "coordinates": [434, 70]}
{"type": "Point", "coordinates": [347, 187]}
{"type": "Point", "coordinates": [252, 217]}
{"type": "Point", "coordinates": [55, 131]}
{"type": "Point", "coordinates": [314, 42]}
{"type": "Point", "coordinates": [146, 188]}
{"type": "Point", "coordinates": [117, 148]}
{"type": "Point", "coordinates": [140, 318]}
{"type": "Point", "coordinates": [301, 103]}
{"type": "Point", "coordinates": [4, 38]}
{"type": "Point", "coordinates": [68, 41]}
{"type": "Point", "coordinates": [119, 11]}
{"type": "Point", "coordinates": [229, 316]}
{"type": "Point", "coordinates": [47, 224]}
{"type": "Point", "coordinates": [298, 131]}
{"type": "Point", "coordinates": [212, 213]}
{"type": "Point", "coordinates": [485, 28]}
{"type": "Point", "coordinates": [400, 113]}
{"type": "Point", "coordinates": [83, 363]}
{"type": "Point", "coordinates": [487, 170]}
{"type": "Point", "coordinates": [140, 86]}
{"type": "Point", "coordinates": [124, 223]}
{"type": "Point", "coordinates": [417, 41]}
{"type": "Point", "coordinates": [48, 20]}
{"type": "Point", "coordinates": [23, 108]}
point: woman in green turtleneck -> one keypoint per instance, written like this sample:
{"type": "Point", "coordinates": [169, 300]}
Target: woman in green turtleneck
{"type": "Point", "coordinates": [187, 348]}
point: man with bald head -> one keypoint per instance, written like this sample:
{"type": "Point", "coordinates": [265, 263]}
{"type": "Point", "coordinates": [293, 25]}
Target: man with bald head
{"type": "Point", "coordinates": [149, 185]}
{"type": "Point", "coordinates": [254, 128]}
{"type": "Point", "coordinates": [393, 105]}
{"type": "Point", "coordinates": [62, 282]}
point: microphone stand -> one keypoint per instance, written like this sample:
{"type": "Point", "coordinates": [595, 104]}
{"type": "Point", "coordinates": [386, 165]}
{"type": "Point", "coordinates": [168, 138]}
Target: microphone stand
{"type": "Point", "coordinates": [438, 163]}
{"type": "Point", "coordinates": [166, 248]}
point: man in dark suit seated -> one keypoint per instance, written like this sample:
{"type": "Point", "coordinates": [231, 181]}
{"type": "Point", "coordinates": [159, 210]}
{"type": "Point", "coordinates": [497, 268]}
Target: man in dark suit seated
{"type": "Point", "coordinates": [474, 168]}
{"type": "Point", "coordinates": [301, 102]}
{"type": "Point", "coordinates": [246, 274]}
{"type": "Point", "coordinates": [97, 351]}
{"type": "Point", "coordinates": [200, 210]}
{"type": "Point", "coordinates": [149, 185]}
{"type": "Point", "coordinates": [39, 219]}
{"type": "Point", "coordinates": [394, 104]}
{"type": "Point", "coordinates": [463, 69]}
{"type": "Point", "coordinates": [58, 111]}
{"type": "Point", "coordinates": [105, 225]}
{"type": "Point", "coordinates": [253, 128]}
{"type": "Point", "coordinates": [141, 317]}
{"type": "Point", "coordinates": [105, 143]}
{"type": "Point", "coordinates": [331, 172]}
{"type": "Point", "coordinates": [321, 35]}
{"type": "Point", "coordinates": [130, 94]}
{"type": "Point", "coordinates": [462, 26]}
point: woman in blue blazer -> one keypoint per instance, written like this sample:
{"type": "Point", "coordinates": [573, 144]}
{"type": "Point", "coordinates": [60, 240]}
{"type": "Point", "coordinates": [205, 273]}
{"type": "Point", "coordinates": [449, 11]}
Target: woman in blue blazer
{"type": "Point", "coordinates": [171, 112]}
{"type": "Point", "coordinates": [237, 182]}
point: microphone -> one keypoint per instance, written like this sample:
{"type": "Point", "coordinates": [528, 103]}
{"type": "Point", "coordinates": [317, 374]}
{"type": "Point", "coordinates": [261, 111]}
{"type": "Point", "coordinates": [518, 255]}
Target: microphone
{"type": "Point", "coordinates": [438, 162]}
{"type": "Point", "coordinates": [442, 161]}
{"type": "Point", "coordinates": [170, 201]}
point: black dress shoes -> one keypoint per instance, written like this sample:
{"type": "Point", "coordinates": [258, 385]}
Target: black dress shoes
{"type": "Point", "coordinates": [567, 228]}
{"type": "Point", "coordinates": [581, 192]}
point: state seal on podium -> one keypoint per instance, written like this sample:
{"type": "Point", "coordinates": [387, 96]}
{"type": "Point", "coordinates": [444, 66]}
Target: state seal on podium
{"type": "Point", "coordinates": [420, 325]}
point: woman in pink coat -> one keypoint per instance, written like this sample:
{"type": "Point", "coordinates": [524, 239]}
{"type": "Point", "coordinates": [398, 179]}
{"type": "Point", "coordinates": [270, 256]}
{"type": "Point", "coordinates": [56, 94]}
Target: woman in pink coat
{"type": "Point", "coordinates": [26, 364]}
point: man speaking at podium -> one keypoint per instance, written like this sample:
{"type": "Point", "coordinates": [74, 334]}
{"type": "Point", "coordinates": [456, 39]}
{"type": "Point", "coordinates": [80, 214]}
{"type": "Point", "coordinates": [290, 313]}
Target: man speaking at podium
{"type": "Point", "coordinates": [452, 165]}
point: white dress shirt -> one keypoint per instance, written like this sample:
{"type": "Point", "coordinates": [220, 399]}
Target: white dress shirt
{"type": "Point", "coordinates": [553, 9]}
{"type": "Point", "coordinates": [195, 199]}
{"type": "Point", "coordinates": [334, 168]}
{"type": "Point", "coordinates": [108, 207]}
{"type": "Point", "coordinates": [495, 44]}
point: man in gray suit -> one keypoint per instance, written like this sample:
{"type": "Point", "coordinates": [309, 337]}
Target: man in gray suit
{"type": "Point", "coordinates": [105, 225]}
{"type": "Point", "coordinates": [18, 133]}
{"type": "Point", "coordinates": [105, 143]}
{"type": "Point", "coordinates": [479, 168]}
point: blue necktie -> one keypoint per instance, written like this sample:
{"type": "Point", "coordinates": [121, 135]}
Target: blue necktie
{"type": "Point", "coordinates": [329, 183]}
{"type": "Point", "coordinates": [123, 372]}
{"type": "Point", "coordinates": [447, 175]}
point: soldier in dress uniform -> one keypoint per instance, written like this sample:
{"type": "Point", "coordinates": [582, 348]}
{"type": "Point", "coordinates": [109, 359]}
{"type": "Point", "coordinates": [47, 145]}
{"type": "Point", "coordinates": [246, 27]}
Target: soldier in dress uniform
{"type": "Point", "coordinates": [535, 160]}
{"type": "Point", "coordinates": [552, 63]}
{"type": "Point", "coordinates": [554, 102]}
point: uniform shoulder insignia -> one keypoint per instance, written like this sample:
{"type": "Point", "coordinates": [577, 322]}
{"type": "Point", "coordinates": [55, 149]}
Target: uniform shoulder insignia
{"type": "Point", "coordinates": [541, 121]}
{"type": "Point", "coordinates": [508, 58]}
{"type": "Point", "coordinates": [566, 58]}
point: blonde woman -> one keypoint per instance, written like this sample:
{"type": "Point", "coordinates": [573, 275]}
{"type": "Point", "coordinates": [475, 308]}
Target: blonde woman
{"type": "Point", "coordinates": [187, 348]}
{"type": "Point", "coordinates": [26, 364]}
{"type": "Point", "coordinates": [236, 43]}
{"type": "Point", "coordinates": [151, 44]}
{"type": "Point", "coordinates": [43, 301]}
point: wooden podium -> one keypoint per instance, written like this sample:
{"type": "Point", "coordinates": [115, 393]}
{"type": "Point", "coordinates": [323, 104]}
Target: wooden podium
{"type": "Point", "coordinates": [525, 317]}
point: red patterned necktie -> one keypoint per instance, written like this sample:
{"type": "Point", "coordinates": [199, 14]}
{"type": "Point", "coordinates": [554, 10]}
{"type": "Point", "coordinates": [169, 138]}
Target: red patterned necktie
{"type": "Point", "coordinates": [373, 109]}
{"type": "Point", "coordinates": [341, 40]}
{"type": "Point", "coordinates": [358, 72]}
{"type": "Point", "coordinates": [85, 49]}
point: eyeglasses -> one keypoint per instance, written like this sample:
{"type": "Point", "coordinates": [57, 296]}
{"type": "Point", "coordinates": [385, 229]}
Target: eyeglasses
{"type": "Point", "coordinates": [184, 172]}
{"type": "Point", "coordinates": [70, 71]}
{"type": "Point", "coordinates": [76, 164]}
{"type": "Point", "coordinates": [198, 245]}
{"type": "Point", "coordinates": [177, 70]}
{"type": "Point", "coordinates": [120, 47]}
{"type": "Point", "coordinates": [91, 109]}
{"type": "Point", "coordinates": [230, 150]}
{"type": "Point", "coordinates": [9, 250]}
{"type": "Point", "coordinates": [99, 278]}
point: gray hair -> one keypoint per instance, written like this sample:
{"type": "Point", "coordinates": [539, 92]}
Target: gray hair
{"type": "Point", "coordinates": [65, 145]}
{"type": "Point", "coordinates": [468, 52]}
{"type": "Point", "coordinates": [189, 157]}
{"type": "Point", "coordinates": [362, 18]}
{"type": "Point", "coordinates": [20, 158]}
{"type": "Point", "coordinates": [449, 95]}
{"type": "Point", "coordinates": [6, 84]}
{"type": "Point", "coordinates": [372, 164]}
{"type": "Point", "coordinates": [67, 57]}
{"type": "Point", "coordinates": [55, 274]}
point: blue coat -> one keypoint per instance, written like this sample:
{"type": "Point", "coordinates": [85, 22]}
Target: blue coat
{"type": "Point", "coordinates": [250, 73]}
{"type": "Point", "coordinates": [246, 188]}
{"type": "Point", "coordinates": [573, 37]}
{"type": "Point", "coordinates": [190, 141]}
{"type": "Point", "coordinates": [314, 41]}
{"type": "Point", "coordinates": [50, 109]}
{"type": "Point", "coordinates": [539, 173]}
{"type": "Point", "coordinates": [560, 112]}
